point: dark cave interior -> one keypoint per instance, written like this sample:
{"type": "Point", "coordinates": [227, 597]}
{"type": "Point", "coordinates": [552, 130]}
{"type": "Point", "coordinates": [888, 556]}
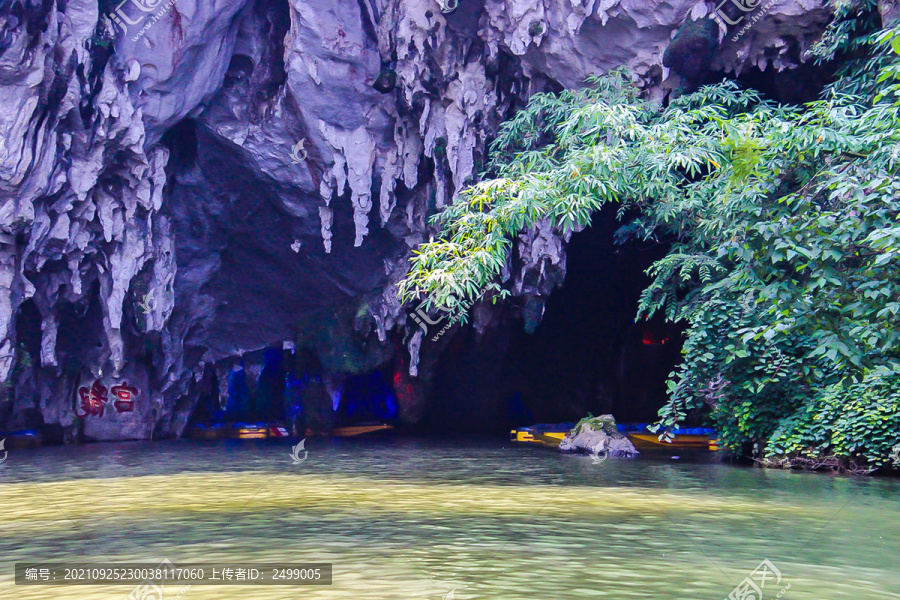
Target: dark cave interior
{"type": "Point", "coordinates": [587, 355]}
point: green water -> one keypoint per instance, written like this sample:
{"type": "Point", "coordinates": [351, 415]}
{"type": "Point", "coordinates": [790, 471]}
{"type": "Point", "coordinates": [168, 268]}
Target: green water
{"type": "Point", "coordinates": [404, 518]}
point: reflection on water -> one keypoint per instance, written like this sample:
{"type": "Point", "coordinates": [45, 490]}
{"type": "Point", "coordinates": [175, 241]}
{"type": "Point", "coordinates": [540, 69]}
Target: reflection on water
{"type": "Point", "coordinates": [415, 519]}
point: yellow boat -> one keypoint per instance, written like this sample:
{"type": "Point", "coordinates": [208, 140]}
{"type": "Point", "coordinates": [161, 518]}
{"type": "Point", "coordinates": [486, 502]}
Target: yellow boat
{"type": "Point", "coordinates": [649, 441]}
{"type": "Point", "coordinates": [550, 438]}
{"type": "Point", "coordinates": [521, 435]}
{"type": "Point", "coordinates": [242, 431]}
{"type": "Point", "coordinates": [352, 430]}
{"type": "Point", "coordinates": [542, 434]}
{"type": "Point", "coordinates": [245, 431]}
{"type": "Point", "coordinates": [552, 434]}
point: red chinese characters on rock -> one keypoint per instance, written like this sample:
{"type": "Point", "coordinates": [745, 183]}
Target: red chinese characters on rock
{"type": "Point", "coordinates": [125, 397]}
{"type": "Point", "coordinates": [93, 400]}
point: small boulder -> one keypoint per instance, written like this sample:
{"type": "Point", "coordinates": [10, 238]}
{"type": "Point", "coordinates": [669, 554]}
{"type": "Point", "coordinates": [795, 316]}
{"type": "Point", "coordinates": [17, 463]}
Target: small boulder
{"type": "Point", "coordinates": [598, 434]}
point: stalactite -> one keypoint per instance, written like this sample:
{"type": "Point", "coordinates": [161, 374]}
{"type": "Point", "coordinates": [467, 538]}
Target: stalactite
{"type": "Point", "coordinates": [326, 215]}
{"type": "Point", "coordinates": [415, 346]}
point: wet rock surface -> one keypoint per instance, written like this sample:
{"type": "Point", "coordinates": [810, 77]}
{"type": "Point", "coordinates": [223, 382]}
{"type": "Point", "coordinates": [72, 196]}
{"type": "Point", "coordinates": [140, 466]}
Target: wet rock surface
{"type": "Point", "coordinates": [598, 437]}
{"type": "Point", "coordinates": [185, 184]}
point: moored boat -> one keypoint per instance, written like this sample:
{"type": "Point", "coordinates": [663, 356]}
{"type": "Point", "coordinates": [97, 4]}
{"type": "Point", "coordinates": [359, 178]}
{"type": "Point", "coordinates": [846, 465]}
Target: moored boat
{"type": "Point", "coordinates": [18, 440]}
{"type": "Point", "coordinates": [243, 431]}
{"type": "Point", "coordinates": [544, 434]}
{"type": "Point", "coordinates": [259, 431]}
{"type": "Point", "coordinates": [685, 438]}
{"type": "Point", "coordinates": [278, 431]}
{"type": "Point", "coordinates": [647, 441]}
{"type": "Point", "coordinates": [250, 431]}
{"type": "Point", "coordinates": [199, 431]}
{"type": "Point", "coordinates": [360, 429]}
{"type": "Point", "coordinates": [551, 434]}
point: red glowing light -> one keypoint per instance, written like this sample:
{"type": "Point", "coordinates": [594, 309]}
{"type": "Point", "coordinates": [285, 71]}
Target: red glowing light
{"type": "Point", "coordinates": [649, 340]}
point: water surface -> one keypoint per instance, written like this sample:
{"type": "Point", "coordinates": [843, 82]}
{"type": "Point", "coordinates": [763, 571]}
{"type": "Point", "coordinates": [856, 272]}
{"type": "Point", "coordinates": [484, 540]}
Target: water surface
{"type": "Point", "coordinates": [407, 518]}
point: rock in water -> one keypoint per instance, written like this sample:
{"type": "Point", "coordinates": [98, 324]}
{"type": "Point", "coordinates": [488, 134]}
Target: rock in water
{"type": "Point", "coordinates": [598, 434]}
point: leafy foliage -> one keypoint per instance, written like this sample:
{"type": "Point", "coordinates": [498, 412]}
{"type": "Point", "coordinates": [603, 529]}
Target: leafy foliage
{"type": "Point", "coordinates": [861, 422]}
{"type": "Point", "coordinates": [784, 262]}
{"type": "Point", "coordinates": [604, 423]}
{"type": "Point", "coordinates": [847, 32]}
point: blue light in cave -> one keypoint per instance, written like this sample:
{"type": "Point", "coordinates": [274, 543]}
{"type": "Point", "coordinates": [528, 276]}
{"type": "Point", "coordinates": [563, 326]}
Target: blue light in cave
{"type": "Point", "coordinates": [293, 391]}
{"type": "Point", "coordinates": [390, 402]}
{"type": "Point", "coordinates": [238, 404]}
{"type": "Point", "coordinates": [368, 398]}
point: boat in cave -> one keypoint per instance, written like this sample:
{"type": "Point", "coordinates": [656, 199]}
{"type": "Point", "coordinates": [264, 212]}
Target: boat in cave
{"type": "Point", "coordinates": [691, 438]}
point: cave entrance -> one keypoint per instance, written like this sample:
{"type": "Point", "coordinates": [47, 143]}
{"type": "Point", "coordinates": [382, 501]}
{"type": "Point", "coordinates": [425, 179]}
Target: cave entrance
{"type": "Point", "coordinates": [289, 387]}
{"type": "Point", "coordinates": [589, 354]}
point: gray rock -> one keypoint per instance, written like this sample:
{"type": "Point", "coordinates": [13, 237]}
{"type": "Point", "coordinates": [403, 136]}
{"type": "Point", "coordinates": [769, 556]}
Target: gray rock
{"type": "Point", "coordinates": [598, 436]}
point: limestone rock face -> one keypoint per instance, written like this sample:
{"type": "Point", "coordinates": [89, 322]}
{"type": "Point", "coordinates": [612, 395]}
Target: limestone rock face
{"type": "Point", "coordinates": [186, 182]}
{"type": "Point", "coordinates": [693, 48]}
